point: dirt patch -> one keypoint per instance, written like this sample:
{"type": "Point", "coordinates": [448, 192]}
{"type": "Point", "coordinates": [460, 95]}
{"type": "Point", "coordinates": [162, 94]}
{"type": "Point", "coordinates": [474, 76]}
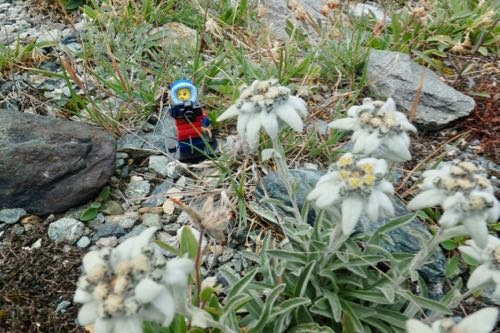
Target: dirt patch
{"type": "Point", "coordinates": [34, 282]}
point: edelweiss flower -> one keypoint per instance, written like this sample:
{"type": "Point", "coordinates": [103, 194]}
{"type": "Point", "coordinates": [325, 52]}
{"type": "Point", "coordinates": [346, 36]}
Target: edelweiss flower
{"type": "Point", "coordinates": [359, 185]}
{"type": "Point", "coordinates": [268, 105]}
{"type": "Point", "coordinates": [489, 270]}
{"type": "Point", "coordinates": [465, 194]}
{"type": "Point", "coordinates": [378, 128]}
{"type": "Point", "coordinates": [131, 283]}
{"type": "Point", "coordinates": [482, 321]}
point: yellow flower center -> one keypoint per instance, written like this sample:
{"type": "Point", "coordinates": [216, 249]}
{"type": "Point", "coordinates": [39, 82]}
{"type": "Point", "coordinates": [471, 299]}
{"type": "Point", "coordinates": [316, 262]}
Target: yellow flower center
{"type": "Point", "coordinates": [344, 174]}
{"type": "Point", "coordinates": [344, 161]}
{"type": "Point", "coordinates": [369, 180]}
{"type": "Point", "coordinates": [354, 182]}
{"type": "Point", "coordinates": [367, 168]}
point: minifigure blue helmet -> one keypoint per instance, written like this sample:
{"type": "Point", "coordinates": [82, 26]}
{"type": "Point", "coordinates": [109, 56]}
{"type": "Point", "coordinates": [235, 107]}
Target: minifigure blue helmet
{"type": "Point", "coordinates": [182, 87]}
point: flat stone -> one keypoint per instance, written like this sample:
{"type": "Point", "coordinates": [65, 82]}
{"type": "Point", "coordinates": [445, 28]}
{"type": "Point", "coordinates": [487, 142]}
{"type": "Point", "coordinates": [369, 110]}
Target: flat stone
{"type": "Point", "coordinates": [83, 242]}
{"type": "Point", "coordinates": [12, 215]}
{"type": "Point", "coordinates": [137, 189]}
{"type": "Point", "coordinates": [96, 222]}
{"type": "Point", "coordinates": [111, 208]}
{"type": "Point", "coordinates": [107, 242]}
{"type": "Point", "coordinates": [159, 165]}
{"type": "Point", "coordinates": [108, 230]}
{"type": "Point", "coordinates": [151, 220]}
{"type": "Point", "coordinates": [157, 197]}
{"type": "Point", "coordinates": [394, 74]}
{"type": "Point", "coordinates": [66, 230]}
{"type": "Point", "coordinates": [50, 165]}
{"type": "Point", "coordinates": [126, 220]}
{"type": "Point", "coordinates": [404, 239]}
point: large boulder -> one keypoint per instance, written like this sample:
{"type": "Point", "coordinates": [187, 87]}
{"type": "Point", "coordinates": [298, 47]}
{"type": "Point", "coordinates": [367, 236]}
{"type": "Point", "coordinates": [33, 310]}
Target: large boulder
{"type": "Point", "coordinates": [394, 74]}
{"type": "Point", "coordinates": [48, 165]}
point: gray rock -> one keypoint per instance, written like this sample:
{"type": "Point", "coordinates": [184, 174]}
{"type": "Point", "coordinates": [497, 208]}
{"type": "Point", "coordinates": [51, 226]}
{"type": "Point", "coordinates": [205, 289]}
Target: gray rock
{"type": "Point", "coordinates": [159, 165]}
{"type": "Point", "coordinates": [135, 231]}
{"type": "Point", "coordinates": [151, 220]}
{"type": "Point", "coordinates": [83, 242]}
{"type": "Point", "coordinates": [50, 165]}
{"type": "Point", "coordinates": [61, 307]}
{"type": "Point", "coordinates": [175, 169]}
{"type": "Point", "coordinates": [365, 9]}
{"type": "Point", "coordinates": [112, 208]}
{"type": "Point", "coordinates": [394, 74]}
{"type": "Point", "coordinates": [107, 242]}
{"type": "Point", "coordinates": [108, 230]}
{"type": "Point", "coordinates": [137, 189]}
{"type": "Point", "coordinates": [404, 239]}
{"type": "Point", "coordinates": [156, 196]}
{"type": "Point", "coordinates": [66, 230]}
{"type": "Point", "coordinates": [126, 220]}
{"type": "Point", "coordinates": [96, 222]}
{"type": "Point", "coordinates": [145, 144]}
{"type": "Point", "coordinates": [278, 14]}
{"type": "Point", "coordinates": [18, 229]}
{"type": "Point", "coordinates": [172, 228]}
{"type": "Point", "coordinates": [168, 239]}
{"type": "Point", "coordinates": [76, 213]}
{"type": "Point", "coordinates": [12, 215]}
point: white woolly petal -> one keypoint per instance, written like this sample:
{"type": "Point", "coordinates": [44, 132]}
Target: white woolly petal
{"type": "Point", "coordinates": [351, 212]}
{"type": "Point", "coordinates": [477, 229]}
{"type": "Point", "coordinates": [146, 290]}
{"type": "Point", "coordinates": [386, 187]}
{"type": "Point", "coordinates": [200, 318]}
{"type": "Point", "coordinates": [385, 204]}
{"type": "Point", "coordinates": [379, 165]}
{"type": "Point", "coordinates": [373, 143]}
{"type": "Point", "coordinates": [178, 271]}
{"type": "Point", "coordinates": [248, 107]}
{"type": "Point", "coordinates": [299, 104]}
{"type": "Point", "coordinates": [494, 212]}
{"type": "Point", "coordinates": [82, 296]}
{"type": "Point", "coordinates": [389, 106]}
{"type": "Point", "coordinates": [92, 259]}
{"type": "Point", "coordinates": [346, 124]}
{"type": "Point", "coordinates": [241, 126]}
{"type": "Point", "coordinates": [372, 206]}
{"type": "Point", "coordinates": [362, 142]}
{"type": "Point", "coordinates": [403, 121]}
{"type": "Point", "coordinates": [166, 305]}
{"type": "Point", "coordinates": [88, 313]}
{"type": "Point", "coordinates": [353, 111]}
{"type": "Point", "coordinates": [141, 240]}
{"type": "Point", "coordinates": [454, 201]}
{"type": "Point", "coordinates": [328, 198]}
{"type": "Point", "coordinates": [449, 218]}
{"type": "Point", "coordinates": [318, 191]}
{"type": "Point", "coordinates": [104, 325]}
{"type": "Point", "coordinates": [397, 146]}
{"type": "Point", "coordinates": [482, 321]}
{"type": "Point", "coordinates": [287, 114]}
{"type": "Point", "coordinates": [128, 325]}
{"type": "Point", "coordinates": [270, 123]}
{"type": "Point", "coordinates": [415, 326]}
{"type": "Point", "coordinates": [481, 274]}
{"type": "Point", "coordinates": [426, 199]}
{"type": "Point", "coordinates": [252, 133]}
{"type": "Point", "coordinates": [233, 111]}
{"type": "Point", "coordinates": [471, 252]}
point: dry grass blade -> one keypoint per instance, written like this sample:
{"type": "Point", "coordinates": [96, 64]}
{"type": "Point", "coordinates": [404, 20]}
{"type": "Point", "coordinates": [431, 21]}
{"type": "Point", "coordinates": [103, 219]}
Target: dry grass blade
{"type": "Point", "coordinates": [117, 69]}
{"type": "Point", "coordinates": [71, 72]}
{"type": "Point", "coordinates": [413, 111]}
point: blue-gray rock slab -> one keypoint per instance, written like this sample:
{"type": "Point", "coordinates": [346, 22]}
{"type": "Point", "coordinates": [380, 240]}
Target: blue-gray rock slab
{"type": "Point", "coordinates": [158, 196]}
{"type": "Point", "coordinates": [404, 239]}
{"type": "Point", "coordinates": [396, 75]}
{"type": "Point", "coordinates": [11, 215]}
{"type": "Point", "coordinates": [108, 230]}
{"type": "Point", "coordinates": [66, 230]}
{"type": "Point", "coordinates": [49, 165]}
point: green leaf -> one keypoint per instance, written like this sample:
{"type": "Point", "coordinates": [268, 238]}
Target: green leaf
{"type": "Point", "coordinates": [451, 267]}
{"type": "Point", "coordinates": [469, 260]}
{"type": "Point", "coordinates": [266, 311]}
{"type": "Point", "coordinates": [449, 244]}
{"type": "Point", "coordinates": [188, 243]}
{"type": "Point", "coordinates": [95, 205]}
{"type": "Point", "coordinates": [104, 195]}
{"type": "Point", "coordinates": [241, 284]}
{"type": "Point", "coordinates": [297, 257]}
{"type": "Point", "coordinates": [169, 248]}
{"type": "Point", "coordinates": [89, 214]}
{"type": "Point", "coordinates": [305, 275]}
{"type": "Point", "coordinates": [430, 304]}
{"type": "Point", "coordinates": [290, 304]}
{"type": "Point", "coordinates": [73, 4]}
{"type": "Point", "coordinates": [374, 296]}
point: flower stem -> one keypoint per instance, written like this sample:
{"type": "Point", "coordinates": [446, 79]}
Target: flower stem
{"type": "Point", "coordinates": [285, 177]}
{"type": "Point", "coordinates": [422, 255]}
{"type": "Point", "coordinates": [337, 238]}
{"type": "Point", "coordinates": [197, 264]}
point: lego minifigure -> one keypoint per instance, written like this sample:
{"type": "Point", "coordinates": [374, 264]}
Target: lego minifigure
{"type": "Point", "coordinates": [194, 138]}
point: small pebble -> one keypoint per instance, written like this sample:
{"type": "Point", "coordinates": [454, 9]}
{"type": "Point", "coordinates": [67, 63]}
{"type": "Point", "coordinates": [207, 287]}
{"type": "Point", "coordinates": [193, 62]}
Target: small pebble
{"type": "Point", "coordinates": [83, 242]}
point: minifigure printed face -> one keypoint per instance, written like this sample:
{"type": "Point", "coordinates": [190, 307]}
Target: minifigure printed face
{"type": "Point", "coordinates": [183, 94]}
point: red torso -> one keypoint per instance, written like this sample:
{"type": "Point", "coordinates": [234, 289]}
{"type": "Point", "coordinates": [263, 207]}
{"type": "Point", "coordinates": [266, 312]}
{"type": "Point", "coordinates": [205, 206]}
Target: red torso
{"type": "Point", "coordinates": [187, 130]}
